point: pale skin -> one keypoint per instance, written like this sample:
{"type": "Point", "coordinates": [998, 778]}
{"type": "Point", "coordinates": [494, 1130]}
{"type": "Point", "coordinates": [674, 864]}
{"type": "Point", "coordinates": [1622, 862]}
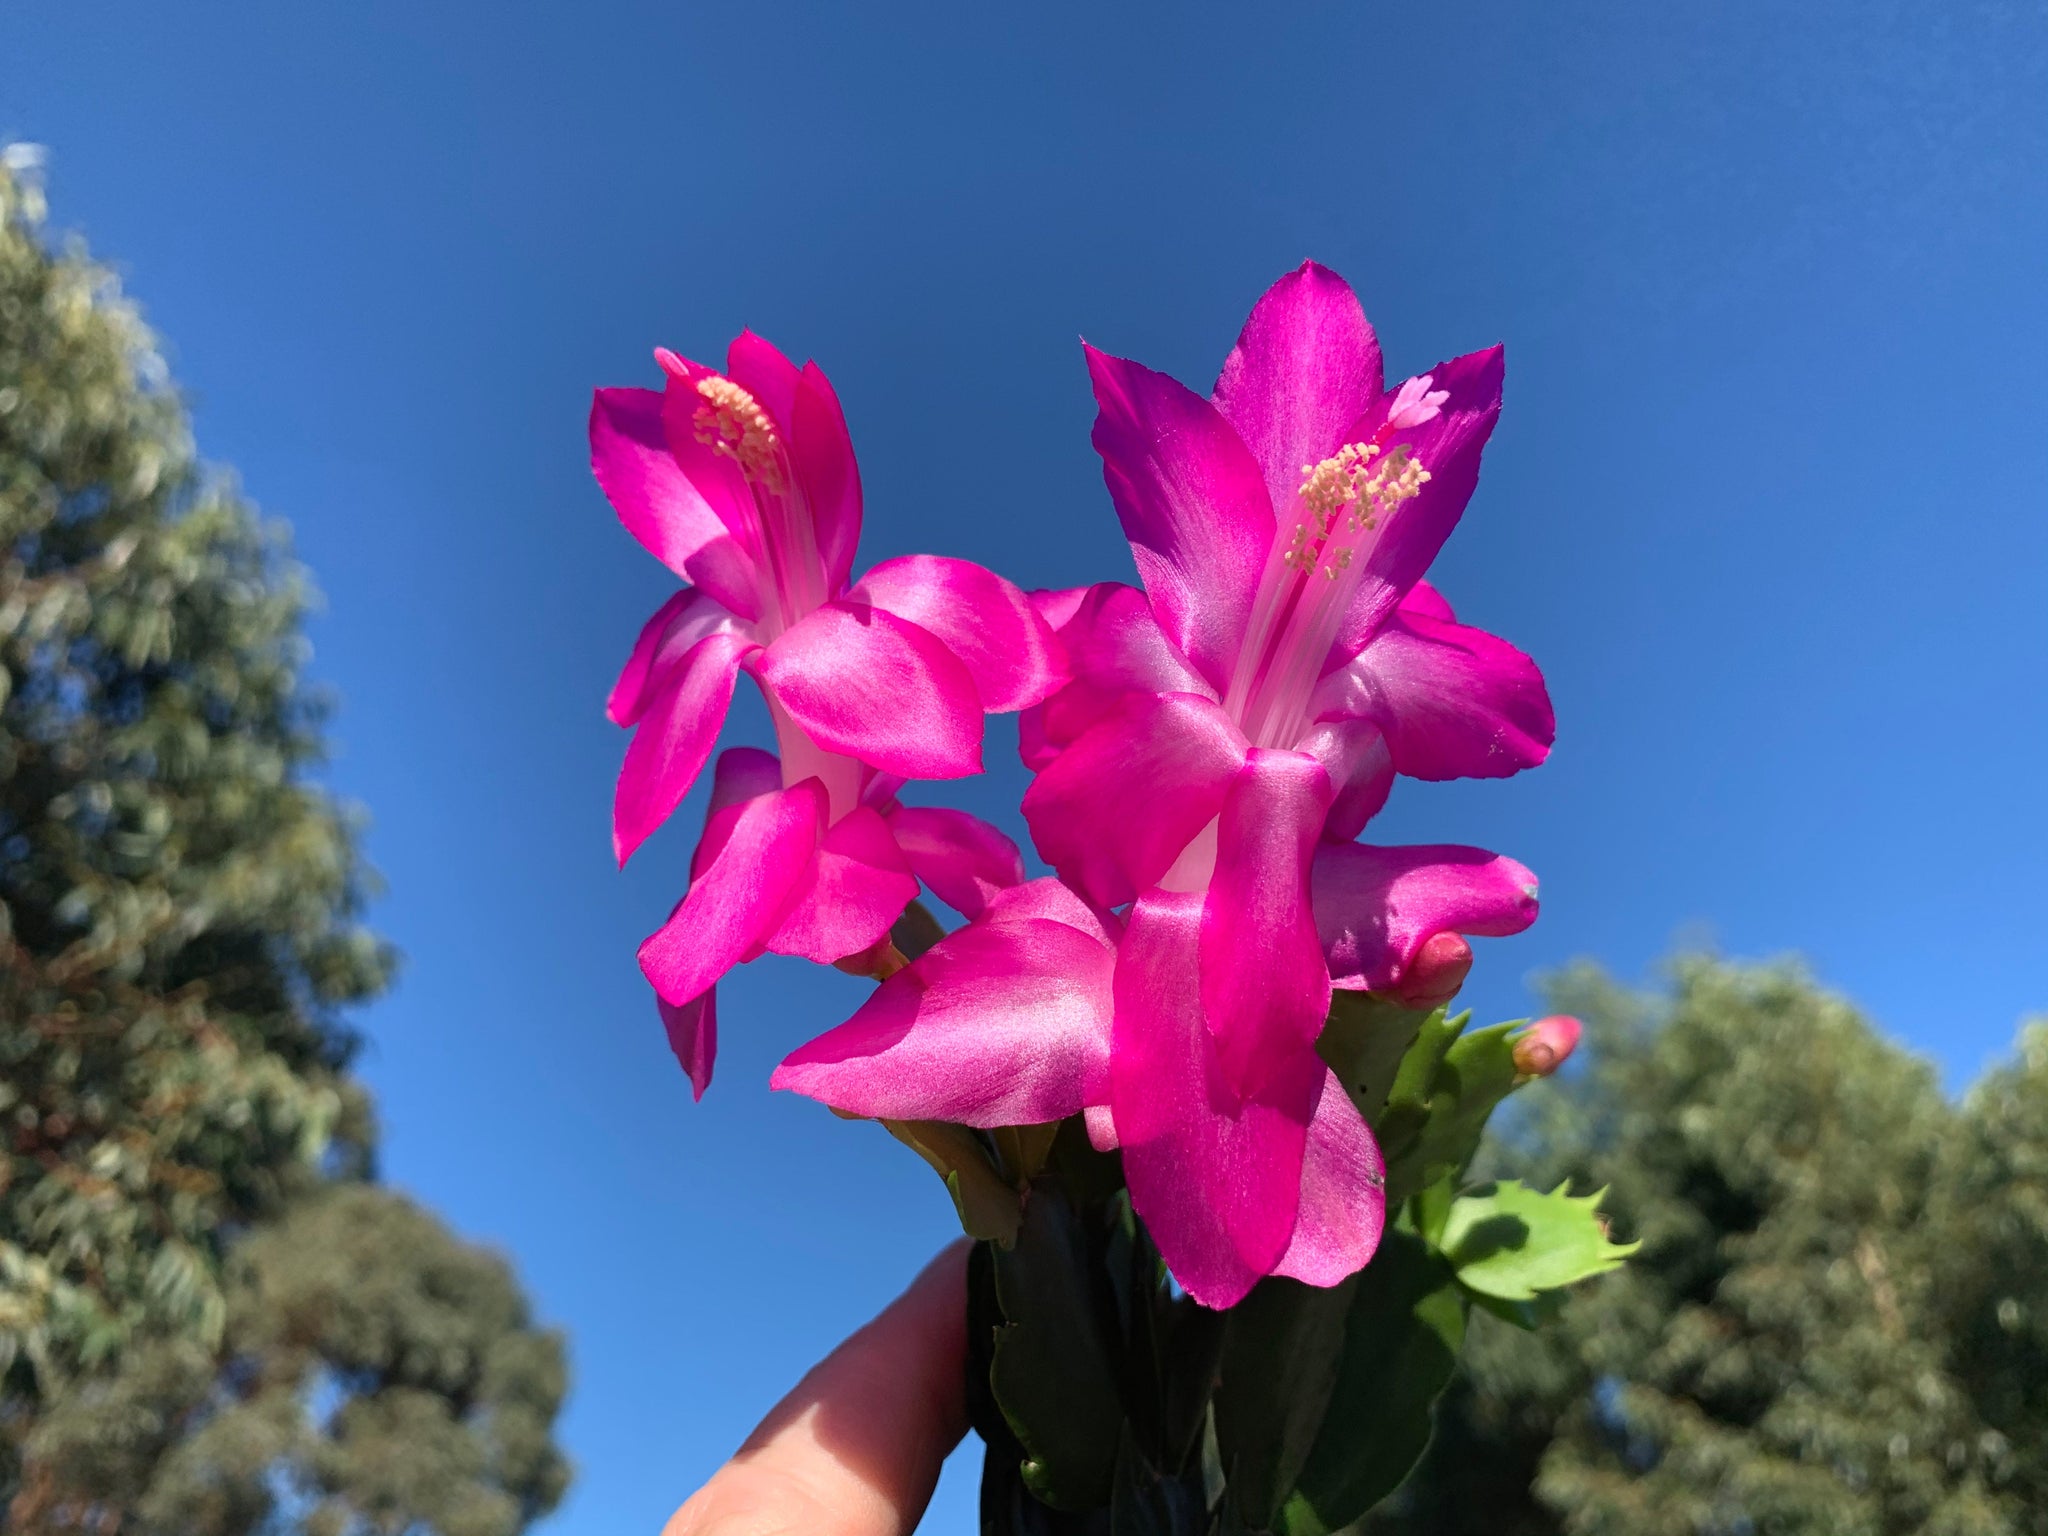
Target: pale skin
{"type": "Point", "coordinates": [855, 1449]}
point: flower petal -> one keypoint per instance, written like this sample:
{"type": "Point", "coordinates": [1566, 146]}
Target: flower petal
{"type": "Point", "coordinates": [685, 704]}
{"type": "Point", "coordinates": [741, 773]}
{"type": "Point", "coordinates": [859, 885]}
{"type": "Point", "coordinates": [1424, 599]}
{"type": "Point", "coordinates": [1343, 1194]}
{"type": "Point", "coordinates": [1265, 990]}
{"type": "Point", "coordinates": [862, 682]}
{"type": "Point", "coordinates": [1193, 504]}
{"type": "Point", "coordinates": [985, 621]}
{"type": "Point", "coordinates": [715, 475]}
{"type": "Point", "coordinates": [640, 477]}
{"type": "Point", "coordinates": [997, 1024]}
{"type": "Point", "coordinates": [1056, 902]}
{"type": "Point", "coordinates": [1057, 605]}
{"type": "Point", "coordinates": [1356, 757]}
{"type": "Point", "coordinates": [822, 450]}
{"type": "Point", "coordinates": [1114, 647]}
{"type": "Point", "coordinates": [1114, 810]}
{"type": "Point", "coordinates": [960, 857]}
{"type": "Point", "coordinates": [693, 1035]}
{"type": "Point", "coordinates": [1454, 701]}
{"type": "Point", "coordinates": [739, 896]}
{"type": "Point", "coordinates": [676, 627]}
{"type": "Point", "coordinates": [1449, 446]}
{"type": "Point", "coordinates": [1306, 366]}
{"type": "Point", "coordinates": [1216, 1179]}
{"type": "Point", "coordinates": [759, 367]}
{"type": "Point", "coordinates": [1375, 907]}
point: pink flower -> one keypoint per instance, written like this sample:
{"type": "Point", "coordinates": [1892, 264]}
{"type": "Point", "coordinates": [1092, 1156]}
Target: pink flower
{"type": "Point", "coordinates": [745, 484]}
{"type": "Point", "coordinates": [1226, 732]}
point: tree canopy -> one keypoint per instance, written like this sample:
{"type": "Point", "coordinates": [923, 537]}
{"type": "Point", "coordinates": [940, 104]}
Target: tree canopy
{"type": "Point", "coordinates": [1836, 1321]}
{"type": "Point", "coordinates": [211, 1319]}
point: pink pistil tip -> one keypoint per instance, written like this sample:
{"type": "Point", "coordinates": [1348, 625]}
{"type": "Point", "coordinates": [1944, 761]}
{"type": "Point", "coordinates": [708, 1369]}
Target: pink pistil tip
{"type": "Point", "coordinates": [1542, 1048]}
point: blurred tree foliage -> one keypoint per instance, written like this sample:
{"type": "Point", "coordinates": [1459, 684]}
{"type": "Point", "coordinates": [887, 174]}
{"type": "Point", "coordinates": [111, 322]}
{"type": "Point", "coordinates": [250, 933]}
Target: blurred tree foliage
{"type": "Point", "coordinates": [210, 1320]}
{"type": "Point", "coordinates": [1838, 1321]}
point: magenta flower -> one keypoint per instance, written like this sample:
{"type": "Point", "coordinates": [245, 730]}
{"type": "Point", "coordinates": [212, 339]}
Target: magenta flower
{"type": "Point", "coordinates": [745, 484]}
{"type": "Point", "coordinates": [1226, 732]}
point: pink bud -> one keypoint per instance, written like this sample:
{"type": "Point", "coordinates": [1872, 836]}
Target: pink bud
{"type": "Point", "coordinates": [1541, 1048]}
{"type": "Point", "coordinates": [1437, 971]}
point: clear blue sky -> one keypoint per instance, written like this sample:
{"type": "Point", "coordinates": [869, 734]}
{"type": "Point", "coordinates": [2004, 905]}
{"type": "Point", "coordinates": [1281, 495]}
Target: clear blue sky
{"type": "Point", "coordinates": [1769, 501]}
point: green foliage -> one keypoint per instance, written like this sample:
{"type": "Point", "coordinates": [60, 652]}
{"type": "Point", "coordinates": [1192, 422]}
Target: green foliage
{"type": "Point", "coordinates": [180, 935]}
{"type": "Point", "coordinates": [1111, 1405]}
{"type": "Point", "coordinates": [1992, 1291]}
{"type": "Point", "coordinates": [1403, 1328]}
{"type": "Point", "coordinates": [1513, 1243]}
{"type": "Point", "coordinates": [1089, 1379]}
{"type": "Point", "coordinates": [1052, 1371]}
{"type": "Point", "coordinates": [1833, 1322]}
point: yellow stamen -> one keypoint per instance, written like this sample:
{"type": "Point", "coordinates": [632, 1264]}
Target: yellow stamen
{"type": "Point", "coordinates": [732, 422]}
{"type": "Point", "coordinates": [1397, 478]}
{"type": "Point", "coordinates": [1355, 479]}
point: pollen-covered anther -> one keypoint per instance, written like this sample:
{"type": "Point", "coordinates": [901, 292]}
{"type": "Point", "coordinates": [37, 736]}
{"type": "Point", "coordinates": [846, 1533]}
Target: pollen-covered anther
{"type": "Point", "coordinates": [1397, 478]}
{"type": "Point", "coordinates": [1299, 555]}
{"type": "Point", "coordinates": [732, 422]}
{"type": "Point", "coordinates": [1331, 486]}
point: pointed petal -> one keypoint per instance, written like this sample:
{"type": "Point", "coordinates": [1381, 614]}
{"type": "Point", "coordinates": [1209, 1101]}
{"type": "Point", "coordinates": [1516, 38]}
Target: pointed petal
{"type": "Point", "coordinates": [1343, 1194]}
{"type": "Point", "coordinates": [737, 899]}
{"type": "Point", "coordinates": [997, 1024]}
{"type": "Point", "coordinates": [741, 773]}
{"type": "Point", "coordinates": [1449, 446]}
{"type": "Point", "coordinates": [989, 624]}
{"type": "Point", "coordinates": [640, 477]}
{"type": "Point", "coordinates": [1192, 502]}
{"type": "Point", "coordinates": [859, 885]}
{"type": "Point", "coordinates": [693, 1035]}
{"type": "Point", "coordinates": [1114, 647]}
{"type": "Point", "coordinates": [1424, 599]}
{"type": "Point", "coordinates": [726, 571]}
{"type": "Point", "coordinates": [1265, 990]}
{"type": "Point", "coordinates": [677, 626]}
{"type": "Point", "coordinates": [1376, 907]}
{"type": "Point", "coordinates": [716, 476]}
{"type": "Point", "coordinates": [823, 452]}
{"type": "Point", "coordinates": [1055, 902]}
{"type": "Point", "coordinates": [685, 706]}
{"type": "Point", "coordinates": [862, 682]}
{"type": "Point", "coordinates": [1057, 605]}
{"type": "Point", "coordinates": [1115, 809]}
{"type": "Point", "coordinates": [1356, 757]}
{"type": "Point", "coordinates": [758, 366]}
{"type": "Point", "coordinates": [960, 857]}
{"type": "Point", "coordinates": [1454, 701]}
{"type": "Point", "coordinates": [1306, 366]}
{"type": "Point", "coordinates": [1216, 1179]}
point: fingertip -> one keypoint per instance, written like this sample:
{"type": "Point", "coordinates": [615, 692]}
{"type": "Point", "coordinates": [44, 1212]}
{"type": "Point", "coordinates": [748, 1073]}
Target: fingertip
{"type": "Point", "coordinates": [855, 1449]}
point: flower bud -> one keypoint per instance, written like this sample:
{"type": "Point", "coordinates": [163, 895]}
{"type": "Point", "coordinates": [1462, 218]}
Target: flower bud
{"type": "Point", "coordinates": [1437, 971]}
{"type": "Point", "coordinates": [1541, 1048]}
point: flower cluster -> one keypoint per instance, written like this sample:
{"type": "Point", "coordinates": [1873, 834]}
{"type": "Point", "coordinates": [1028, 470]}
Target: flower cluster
{"type": "Point", "coordinates": [1208, 748]}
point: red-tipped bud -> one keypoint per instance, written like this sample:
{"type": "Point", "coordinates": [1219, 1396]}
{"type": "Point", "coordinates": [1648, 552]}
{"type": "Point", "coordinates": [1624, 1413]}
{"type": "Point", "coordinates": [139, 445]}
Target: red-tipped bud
{"type": "Point", "coordinates": [1541, 1048]}
{"type": "Point", "coordinates": [1437, 971]}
